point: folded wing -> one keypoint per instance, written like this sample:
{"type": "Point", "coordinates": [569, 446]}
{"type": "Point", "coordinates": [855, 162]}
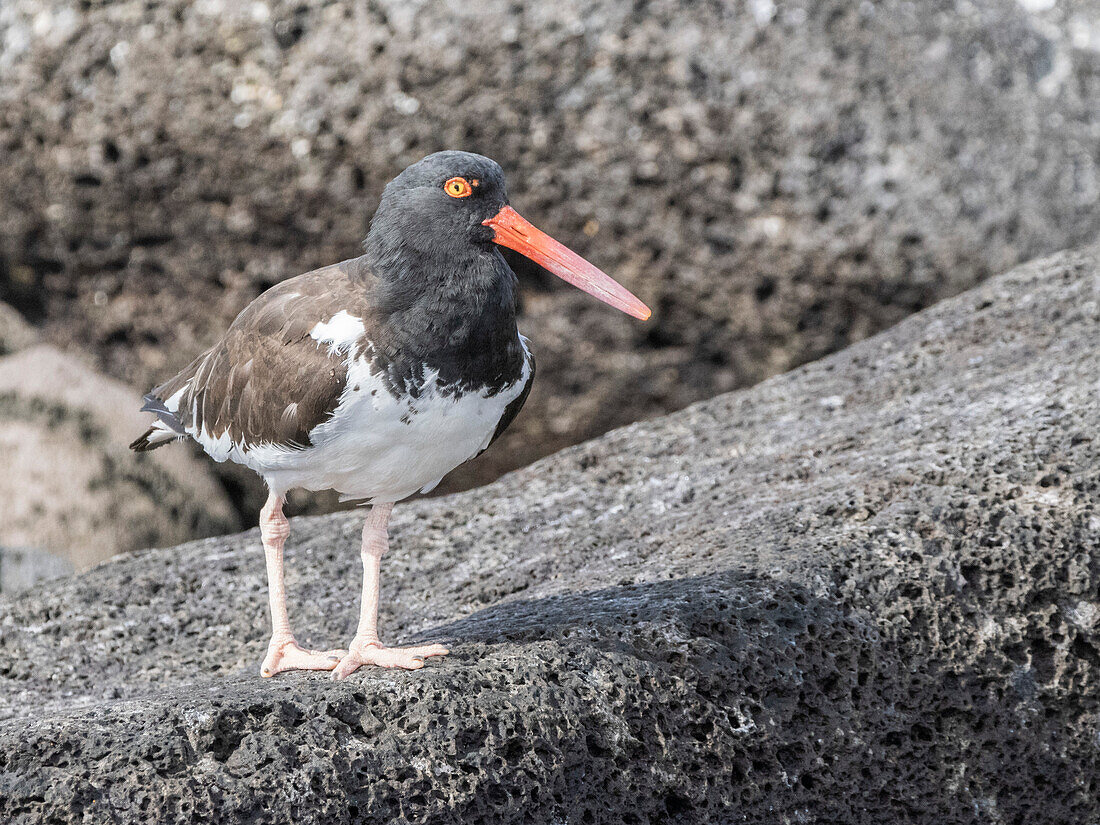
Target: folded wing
{"type": "Point", "coordinates": [278, 372]}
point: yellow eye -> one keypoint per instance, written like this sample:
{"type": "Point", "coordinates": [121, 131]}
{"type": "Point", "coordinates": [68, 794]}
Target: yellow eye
{"type": "Point", "coordinates": [458, 188]}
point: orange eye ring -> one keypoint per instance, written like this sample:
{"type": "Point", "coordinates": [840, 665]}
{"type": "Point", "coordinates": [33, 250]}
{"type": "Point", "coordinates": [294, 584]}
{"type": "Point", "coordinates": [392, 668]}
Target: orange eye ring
{"type": "Point", "coordinates": [458, 188]}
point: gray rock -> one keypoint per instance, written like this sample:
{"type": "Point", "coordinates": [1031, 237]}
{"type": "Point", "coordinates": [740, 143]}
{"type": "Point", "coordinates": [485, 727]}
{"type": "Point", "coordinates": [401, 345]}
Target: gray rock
{"type": "Point", "coordinates": [21, 567]}
{"type": "Point", "coordinates": [69, 484]}
{"type": "Point", "coordinates": [866, 591]}
{"type": "Point", "coordinates": [15, 332]}
{"type": "Point", "coordinates": [776, 179]}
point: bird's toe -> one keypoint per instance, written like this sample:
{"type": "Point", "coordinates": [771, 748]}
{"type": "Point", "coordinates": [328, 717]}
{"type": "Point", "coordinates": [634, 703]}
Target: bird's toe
{"type": "Point", "coordinates": [283, 655]}
{"type": "Point", "coordinates": [405, 658]}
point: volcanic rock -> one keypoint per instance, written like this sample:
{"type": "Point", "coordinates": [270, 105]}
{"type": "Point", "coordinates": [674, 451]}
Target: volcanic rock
{"type": "Point", "coordinates": [866, 591]}
{"type": "Point", "coordinates": [776, 180]}
{"type": "Point", "coordinates": [70, 486]}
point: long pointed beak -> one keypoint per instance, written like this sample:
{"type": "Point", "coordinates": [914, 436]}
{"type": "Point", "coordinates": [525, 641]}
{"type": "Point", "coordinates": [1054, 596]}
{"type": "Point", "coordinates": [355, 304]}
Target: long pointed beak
{"type": "Point", "coordinates": [512, 231]}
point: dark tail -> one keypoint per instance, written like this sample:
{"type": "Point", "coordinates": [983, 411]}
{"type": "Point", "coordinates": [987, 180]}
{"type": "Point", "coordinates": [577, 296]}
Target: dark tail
{"type": "Point", "coordinates": [146, 442]}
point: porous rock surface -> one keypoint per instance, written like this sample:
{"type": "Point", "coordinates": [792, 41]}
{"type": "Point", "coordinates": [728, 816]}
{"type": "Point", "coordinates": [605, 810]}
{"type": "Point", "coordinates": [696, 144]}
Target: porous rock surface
{"type": "Point", "coordinates": [866, 591]}
{"type": "Point", "coordinates": [775, 179]}
{"type": "Point", "coordinates": [69, 485]}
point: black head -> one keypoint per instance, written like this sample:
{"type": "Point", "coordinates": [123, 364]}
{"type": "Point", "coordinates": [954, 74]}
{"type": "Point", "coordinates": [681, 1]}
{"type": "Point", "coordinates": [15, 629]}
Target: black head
{"type": "Point", "coordinates": [438, 207]}
{"type": "Point", "coordinates": [439, 220]}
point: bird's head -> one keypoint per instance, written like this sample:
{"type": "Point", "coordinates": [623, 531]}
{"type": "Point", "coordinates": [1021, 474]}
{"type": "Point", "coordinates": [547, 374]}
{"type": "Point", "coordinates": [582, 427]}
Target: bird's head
{"type": "Point", "coordinates": [453, 206]}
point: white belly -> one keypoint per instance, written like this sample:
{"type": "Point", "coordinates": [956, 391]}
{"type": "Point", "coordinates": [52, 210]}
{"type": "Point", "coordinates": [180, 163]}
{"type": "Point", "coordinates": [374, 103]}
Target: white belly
{"type": "Point", "coordinates": [381, 448]}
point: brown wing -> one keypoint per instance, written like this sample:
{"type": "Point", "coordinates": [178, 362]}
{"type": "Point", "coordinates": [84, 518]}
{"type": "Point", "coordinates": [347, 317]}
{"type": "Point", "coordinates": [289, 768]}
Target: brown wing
{"type": "Point", "coordinates": [268, 381]}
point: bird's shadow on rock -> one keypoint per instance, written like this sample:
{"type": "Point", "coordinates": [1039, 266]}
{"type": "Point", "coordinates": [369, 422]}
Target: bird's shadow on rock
{"type": "Point", "coordinates": [739, 628]}
{"type": "Point", "coordinates": [722, 605]}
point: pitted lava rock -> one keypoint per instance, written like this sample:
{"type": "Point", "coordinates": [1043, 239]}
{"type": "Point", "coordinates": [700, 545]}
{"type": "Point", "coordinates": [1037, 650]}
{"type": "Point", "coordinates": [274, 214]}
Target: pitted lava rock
{"type": "Point", "coordinates": [866, 591]}
{"type": "Point", "coordinates": [776, 180]}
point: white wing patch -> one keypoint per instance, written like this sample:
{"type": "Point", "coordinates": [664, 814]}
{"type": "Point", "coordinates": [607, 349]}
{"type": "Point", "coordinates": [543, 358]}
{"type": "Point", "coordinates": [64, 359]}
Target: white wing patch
{"type": "Point", "coordinates": [340, 332]}
{"type": "Point", "coordinates": [172, 403]}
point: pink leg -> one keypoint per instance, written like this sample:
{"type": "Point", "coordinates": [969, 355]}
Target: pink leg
{"type": "Point", "coordinates": [283, 653]}
{"type": "Point", "coordinates": [366, 648]}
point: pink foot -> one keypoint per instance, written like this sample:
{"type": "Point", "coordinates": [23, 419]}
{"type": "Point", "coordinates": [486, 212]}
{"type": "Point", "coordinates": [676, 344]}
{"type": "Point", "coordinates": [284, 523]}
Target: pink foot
{"type": "Point", "coordinates": [374, 653]}
{"type": "Point", "coordinates": [287, 654]}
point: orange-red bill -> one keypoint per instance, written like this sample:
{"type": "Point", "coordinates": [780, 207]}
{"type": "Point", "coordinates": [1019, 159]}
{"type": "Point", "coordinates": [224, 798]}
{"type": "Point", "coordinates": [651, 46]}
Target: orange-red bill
{"type": "Point", "coordinates": [513, 231]}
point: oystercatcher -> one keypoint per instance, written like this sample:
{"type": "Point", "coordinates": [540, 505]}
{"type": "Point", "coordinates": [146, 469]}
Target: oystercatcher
{"type": "Point", "coordinates": [377, 376]}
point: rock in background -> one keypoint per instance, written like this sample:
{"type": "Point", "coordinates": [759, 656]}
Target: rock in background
{"type": "Point", "coordinates": [867, 591]}
{"type": "Point", "coordinates": [776, 179]}
{"type": "Point", "coordinates": [22, 567]}
{"type": "Point", "coordinates": [70, 486]}
{"type": "Point", "coordinates": [15, 332]}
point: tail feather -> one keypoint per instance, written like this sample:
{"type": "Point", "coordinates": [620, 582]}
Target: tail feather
{"type": "Point", "coordinates": [151, 439]}
{"type": "Point", "coordinates": [156, 406]}
{"type": "Point", "coordinates": [165, 429]}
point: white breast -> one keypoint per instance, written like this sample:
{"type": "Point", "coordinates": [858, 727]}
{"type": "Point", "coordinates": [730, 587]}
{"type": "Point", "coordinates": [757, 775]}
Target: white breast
{"type": "Point", "coordinates": [381, 448]}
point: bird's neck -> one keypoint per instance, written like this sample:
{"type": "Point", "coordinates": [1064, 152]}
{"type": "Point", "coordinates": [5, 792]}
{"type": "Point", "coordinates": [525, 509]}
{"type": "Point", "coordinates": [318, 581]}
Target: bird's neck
{"type": "Point", "coordinates": [455, 313]}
